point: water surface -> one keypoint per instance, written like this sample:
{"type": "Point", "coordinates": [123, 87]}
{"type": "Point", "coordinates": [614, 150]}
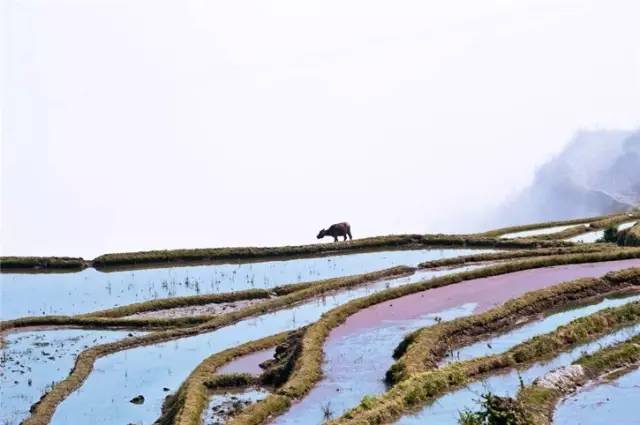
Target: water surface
{"type": "Point", "coordinates": [614, 402]}
{"type": "Point", "coordinates": [104, 396]}
{"type": "Point", "coordinates": [501, 343]}
{"type": "Point", "coordinates": [90, 290]}
{"type": "Point", "coordinates": [368, 337]}
{"type": "Point", "coordinates": [538, 232]}
{"type": "Point", "coordinates": [32, 361]}
{"type": "Point", "coordinates": [446, 409]}
{"type": "Point", "coordinates": [222, 404]}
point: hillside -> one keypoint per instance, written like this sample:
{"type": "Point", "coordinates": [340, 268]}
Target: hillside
{"type": "Point", "coordinates": [597, 173]}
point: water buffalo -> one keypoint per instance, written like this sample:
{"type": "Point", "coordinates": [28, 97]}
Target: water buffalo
{"type": "Point", "coordinates": [335, 230]}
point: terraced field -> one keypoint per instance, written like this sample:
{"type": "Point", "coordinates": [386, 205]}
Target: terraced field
{"type": "Point", "coordinates": [407, 329]}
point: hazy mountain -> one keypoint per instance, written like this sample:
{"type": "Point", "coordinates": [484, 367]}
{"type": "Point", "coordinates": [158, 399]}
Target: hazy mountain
{"type": "Point", "coordinates": [597, 173]}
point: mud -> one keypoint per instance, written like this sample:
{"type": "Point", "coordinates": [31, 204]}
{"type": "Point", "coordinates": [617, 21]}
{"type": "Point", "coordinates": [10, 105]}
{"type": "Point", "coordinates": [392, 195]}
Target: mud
{"type": "Point", "coordinates": [249, 363]}
{"type": "Point", "coordinates": [358, 352]}
{"type": "Point", "coordinates": [196, 310]}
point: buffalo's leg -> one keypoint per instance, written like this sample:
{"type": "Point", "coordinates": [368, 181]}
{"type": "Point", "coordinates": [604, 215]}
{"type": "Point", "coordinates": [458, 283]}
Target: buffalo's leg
{"type": "Point", "coordinates": [335, 239]}
{"type": "Point", "coordinates": [345, 237]}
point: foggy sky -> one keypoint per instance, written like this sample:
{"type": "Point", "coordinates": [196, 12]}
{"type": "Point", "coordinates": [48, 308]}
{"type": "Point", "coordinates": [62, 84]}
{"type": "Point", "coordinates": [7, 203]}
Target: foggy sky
{"type": "Point", "coordinates": [150, 124]}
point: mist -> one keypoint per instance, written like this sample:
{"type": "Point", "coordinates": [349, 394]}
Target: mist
{"type": "Point", "coordinates": [132, 125]}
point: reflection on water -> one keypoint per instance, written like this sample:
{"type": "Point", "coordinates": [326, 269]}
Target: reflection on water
{"type": "Point", "coordinates": [446, 409]}
{"type": "Point", "coordinates": [538, 232]}
{"type": "Point", "coordinates": [358, 363]}
{"type": "Point", "coordinates": [32, 362]}
{"type": "Point", "coordinates": [90, 290]}
{"type": "Point", "coordinates": [502, 343]}
{"type": "Point", "coordinates": [222, 406]}
{"type": "Point", "coordinates": [628, 225]}
{"type": "Point", "coordinates": [589, 237]}
{"type": "Point", "coordinates": [614, 402]}
{"type": "Point", "coordinates": [104, 397]}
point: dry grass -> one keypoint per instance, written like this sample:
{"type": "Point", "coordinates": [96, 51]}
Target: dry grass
{"type": "Point", "coordinates": [423, 349]}
{"type": "Point", "coordinates": [308, 366]}
{"type": "Point", "coordinates": [186, 406]}
{"type": "Point", "coordinates": [423, 387]}
{"type": "Point", "coordinates": [537, 403]}
{"type": "Point", "coordinates": [543, 225]}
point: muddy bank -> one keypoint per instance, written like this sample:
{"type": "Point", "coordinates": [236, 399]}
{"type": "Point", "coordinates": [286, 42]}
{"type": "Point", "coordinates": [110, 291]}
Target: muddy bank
{"type": "Point", "coordinates": [537, 401]}
{"type": "Point", "coordinates": [507, 382]}
{"type": "Point", "coordinates": [90, 290]}
{"type": "Point", "coordinates": [148, 369]}
{"type": "Point", "coordinates": [375, 243]}
{"type": "Point", "coordinates": [536, 232]}
{"type": "Point", "coordinates": [603, 403]}
{"type": "Point", "coordinates": [588, 334]}
{"type": "Point", "coordinates": [249, 363]}
{"type": "Point", "coordinates": [369, 336]}
{"type": "Point", "coordinates": [195, 310]}
{"type": "Point", "coordinates": [224, 405]}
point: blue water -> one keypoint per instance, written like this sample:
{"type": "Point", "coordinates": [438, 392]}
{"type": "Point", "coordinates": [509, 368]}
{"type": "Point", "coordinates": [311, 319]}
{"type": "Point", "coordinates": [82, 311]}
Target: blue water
{"type": "Point", "coordinates": [537, 232]}
{"type": "Point", "coordinates": [446, 409]}
{"type": "Point", "coordinates": [502, 343]}
{"type": "Point", "coordinates": [589, 237]}
{"type": "Point", "coordinates": [90, 290]}
{"type": "Point", "coordinates": [362, 359]}
{"type": "Point", "coordinates": [212, 413]}
{"type": "Point", "coordinates": [32, 361]}
{"type": "Point", "coordinates": [614, 402]}
{"type": "Point", "coordinates": [104, 397]}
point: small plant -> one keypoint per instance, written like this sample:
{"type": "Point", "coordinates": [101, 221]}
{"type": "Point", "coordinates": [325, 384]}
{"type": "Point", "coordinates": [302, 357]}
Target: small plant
{"type": "Point", "coordinates": [327, 413]}
{"type": "Point", "coordinates": [610, 234]}
{"type": "Point", "coordinates": [494, 410]}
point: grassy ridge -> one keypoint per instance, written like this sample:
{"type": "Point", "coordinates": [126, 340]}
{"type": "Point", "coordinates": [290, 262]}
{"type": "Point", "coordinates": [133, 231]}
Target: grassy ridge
{"type": "Point", "coordinates": [423, 387]}
{"type": "Point", "coordinates": [536, 402]}
{"type": "Point", "coordinates": [593, 226]}
{"type": "Point", "coordinates": [300, 381]}
{"type": "Point", "coordinates": [184, 301]}
{"type": "Point", "coordinates": [421, 350]}
{"type": "Point", "coordinates": [632, 236]}
{"type": "Point", "coordinates": [543, 225]}
{"type": "Point", "coordinates": [376, 243]}
{"type": "Point", "coordinates": [167, 258]}
{"type": "Point", "coordinates": [86, 359]}
{"type": "Point", "coordinates": [185, 407]}
{"type": "Point", "coordinates": [308, 366]}
{"type": "Point", "coordinates": [161, 258]}
{"type": "Point", "coordinates": [306, 290]}
{"type": "Point", "coordinates": [512, 255]}
{"type": "Point", "coordinates": [42, 263]}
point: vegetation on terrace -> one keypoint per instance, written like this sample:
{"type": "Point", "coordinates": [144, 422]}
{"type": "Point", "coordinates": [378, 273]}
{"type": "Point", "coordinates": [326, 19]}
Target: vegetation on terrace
{"type": "Point", "coordinates": [533, 253]}
{"type": "Point", "coordinates": [421, 388]}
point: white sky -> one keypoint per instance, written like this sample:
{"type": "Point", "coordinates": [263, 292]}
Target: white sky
{"type": "Point", "coordinates": [135, 124]}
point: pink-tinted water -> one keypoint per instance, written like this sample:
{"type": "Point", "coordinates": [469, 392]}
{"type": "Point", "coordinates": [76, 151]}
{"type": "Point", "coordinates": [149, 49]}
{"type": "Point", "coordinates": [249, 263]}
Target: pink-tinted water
{"type": "Point", "coordinates": [358, 352]}
{"type": "Point", "coordinates": [248, 364]}
{"type": "Point", "coordinates": [486, 292]}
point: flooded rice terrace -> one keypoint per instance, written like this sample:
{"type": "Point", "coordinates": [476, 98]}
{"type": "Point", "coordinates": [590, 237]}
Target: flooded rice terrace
{"type": "Point", "coordinates": [222, 406]}
{"type": "Point", "coordinates": [446, 409]}
{"type": "Point", "coordinates": [538, 232]}
{"type": "Point", "coordinates": [90, 289]}
{"type": "Point", "coordinates": [591, 237]}
{"type": "Point", "coordinates": [32, 361]}
{"type": "Point", "coordinates": [614, 402]}
{"type": "Point", "coordinates": [104, 396]}
{"type": "Point", "coordinates": [359, 352]}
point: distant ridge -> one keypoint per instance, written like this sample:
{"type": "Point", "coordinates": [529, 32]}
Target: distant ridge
{"type": "Point", "coordinates": [597, 173]}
